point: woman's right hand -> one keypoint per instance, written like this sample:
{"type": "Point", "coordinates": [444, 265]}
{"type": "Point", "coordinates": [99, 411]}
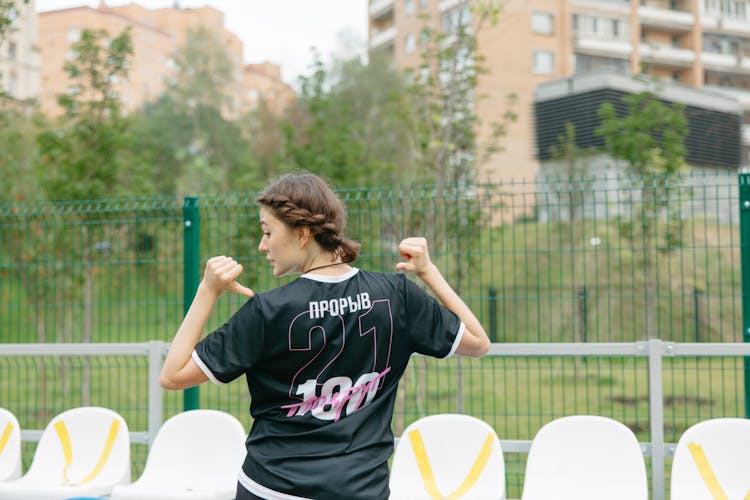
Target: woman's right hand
{"type": "Point", "coordinates": [221, 276]}
{"type": "Point", "coordinates": [415, 255]}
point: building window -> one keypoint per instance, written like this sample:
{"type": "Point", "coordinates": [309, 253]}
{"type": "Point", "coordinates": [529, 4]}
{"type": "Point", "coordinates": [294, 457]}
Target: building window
{"type": "Point", "coordinates": [409, 7]}
{"type": "Point", "coordinates": [456, 17]}
{"type": "Point", "coordinates": [73, 36]}
{"type": "Point", "coordinates": [721, 44]}
{"type": "Point", "coordinates": [423, 4]}
{"type": "Point", "coordinates": [604, 27]}
{"type": "Point", "coordinates": [410, 44]}
{"type": "Point", "coordinates": [544, 62]}
{"type": "Point", "coordinates": [424, 37]}
{"type": "Point", "coordinates": [12, 49]}
{"type": "Point", "coordinates": [13, 86]}
{"type": "Point", "coordinates": [542, 23]}
{"type": "Point", "coordinates": [424, 75]}
{"type": "Point", "coordinates": [585, 62]}
{"type": "Point", "coordinates": [728, 9]}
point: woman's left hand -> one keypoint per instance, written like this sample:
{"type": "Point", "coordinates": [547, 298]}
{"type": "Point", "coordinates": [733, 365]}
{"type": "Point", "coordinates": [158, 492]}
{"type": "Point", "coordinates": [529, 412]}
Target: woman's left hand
{"type": "Point", "coordinates": [221, 276]}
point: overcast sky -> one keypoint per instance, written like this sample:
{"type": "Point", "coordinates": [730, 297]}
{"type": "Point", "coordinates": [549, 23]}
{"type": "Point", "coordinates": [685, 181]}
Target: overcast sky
{"type": "Point", "coordinates": [280, 31]}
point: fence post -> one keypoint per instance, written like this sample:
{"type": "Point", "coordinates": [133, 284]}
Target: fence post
{"type": "Point", "coordinates": [697, 294]}
{"type": "Point", "coordinates": [191, 275]}
{"type": "Point", "coordinates": [154, 389]}
{"type": "Point", "coordinates": [744, 185]}
{"type": "Point", "coordinates": [656, 416]}
{"type": "Point", "coordinates": [493, 314]}
{"type": "Point", "coordinates": [583, 304]}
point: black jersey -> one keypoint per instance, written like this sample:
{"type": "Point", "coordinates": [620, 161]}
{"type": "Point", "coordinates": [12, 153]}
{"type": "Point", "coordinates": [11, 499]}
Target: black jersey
{"type": "Point", "coordinates": [322, 357]}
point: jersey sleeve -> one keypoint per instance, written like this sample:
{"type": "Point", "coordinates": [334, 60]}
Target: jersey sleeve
{"type": "Point", "coordinates": [434, 330]}
{"type": "Point", "coordinates": [233, 348]}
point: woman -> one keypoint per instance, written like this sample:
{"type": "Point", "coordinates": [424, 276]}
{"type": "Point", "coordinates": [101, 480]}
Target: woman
{"type": "Point", "coordinates": [323, 354]}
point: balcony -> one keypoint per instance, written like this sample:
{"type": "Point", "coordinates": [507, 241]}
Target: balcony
{"type": "Point", "coordinates": [721, 62]}
{"type": "Point", "coordinates": [611, 47]}
{"type": "Point", "coordinates": [719, 24]}
{"type": "Point", "coordinates": [670, 19]}
{"type": "Point", "coordinates": [380, 8]}
{"type": "Point", "coordinates": [590, 6]}
{"type": "Point", "coordinates": [448, 4]}
{"type": "Point", "coordinates": [382, 38]}
{"type": "Point", "coordinates": [665, 55]}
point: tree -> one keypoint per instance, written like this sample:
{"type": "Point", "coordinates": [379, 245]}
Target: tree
{"type": "Point", "coordinates": [444, 93]}
{"type": "Point", "coordinates": [571, 173]}
{"type": "Point", "coordinates": [19, 148]}
{"type": "Point", "coordinates": [649, 137]}
{"type": "Point", "coordinates": [84, 156]}
{"type": "Point", "coordinates": [189, 137]}
{"type": "Point", "coordinates": [350, 124]}
{"type": "Point", "coordinates": [204, 73]}
{"type": "Point", "coordinates": [444, 125]}
{"type": "Point", "coordinates": [9, 11]}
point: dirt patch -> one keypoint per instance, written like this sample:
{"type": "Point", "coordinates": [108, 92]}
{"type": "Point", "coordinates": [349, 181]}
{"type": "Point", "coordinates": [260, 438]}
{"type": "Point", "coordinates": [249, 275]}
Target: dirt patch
{"type": "Point", "coordinates": [685, 400]}
{"type": "Point", "coordinates": [637, 427]}
{"type": "Point", "coordinates": [668, 400]}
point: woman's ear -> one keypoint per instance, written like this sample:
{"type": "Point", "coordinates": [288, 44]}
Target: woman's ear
{"type": "Point", "coordinates": [303, 235]}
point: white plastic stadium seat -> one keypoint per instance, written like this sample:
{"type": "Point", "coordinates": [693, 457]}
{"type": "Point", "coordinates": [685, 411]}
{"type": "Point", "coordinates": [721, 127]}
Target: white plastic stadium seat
{"type": "Point", "coordinates": [585, 457]}
{"type": "Point", "coordinates": [712, 461]}
{"type": "Point", "coordinates": [82, 452]}
{"type": "Point", "coordinates": [196, 454]}
{"type": "Point", "coordinates": [448, 456]}
{"type": "Point", "coordinates": [10, 446]}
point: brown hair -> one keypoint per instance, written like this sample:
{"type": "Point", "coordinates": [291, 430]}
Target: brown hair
{"type": "Point", "coordinates": [304, 199]}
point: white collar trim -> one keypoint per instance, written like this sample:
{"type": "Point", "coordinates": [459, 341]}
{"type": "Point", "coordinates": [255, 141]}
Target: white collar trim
{"type": "Point", "coordinates": [326, 278]}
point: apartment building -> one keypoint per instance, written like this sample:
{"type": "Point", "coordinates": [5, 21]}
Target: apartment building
{"type": "Point", "coordinates": [262, 83]}
{"type": "Point", "coordinates": [703, 44]}
{"type": "Point", "coordinates": [19, 55]}
{"type": "Point", "coordinates": [147, 74]}
{"type": "Point", "coordinates": [157, 34]}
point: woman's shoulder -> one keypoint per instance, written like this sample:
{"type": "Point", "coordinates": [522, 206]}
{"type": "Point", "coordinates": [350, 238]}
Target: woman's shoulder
{"type": "Point", "coordinates": [389, 279]}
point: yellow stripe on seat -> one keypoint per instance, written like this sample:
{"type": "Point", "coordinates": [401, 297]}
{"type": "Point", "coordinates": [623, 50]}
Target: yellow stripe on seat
{"type": "Point", "coordinates": [425, 470]}
{"type": "Point", "coordinates": [428, 477]}
{"type": "Point", "coordinates": [6, 436]}
{"type": "Point", "coordinates": [106, 452]}
{"type": "Point", "coordinates": [476, 469]}
{"type": "Point", "coordinates": [62, 433]}
{"type": "Point", "coordinates": [706, 472]}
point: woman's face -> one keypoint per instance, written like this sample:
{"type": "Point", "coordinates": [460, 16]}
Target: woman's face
{"type": "Point", "coordinates": [280, 243]}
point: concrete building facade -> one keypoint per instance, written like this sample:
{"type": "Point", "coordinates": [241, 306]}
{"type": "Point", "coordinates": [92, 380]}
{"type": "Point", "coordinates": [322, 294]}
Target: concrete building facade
{"type": "Point", "coordinates": [157, 35]}
{"type": "Point", "coordinates": [19, 55]}
{"type": "Point", "coordinates": [262, 83]}
{"type": "Point", "coordinates": [713, 149]}
{"type": "Point", "coordinates": [698, 43]}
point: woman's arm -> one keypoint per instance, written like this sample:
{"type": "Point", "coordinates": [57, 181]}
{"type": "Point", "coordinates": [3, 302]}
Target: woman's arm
{"type": "Point", "coordinates": [475, 342]}
{"type": "Point", "coordinates": [180, 370]}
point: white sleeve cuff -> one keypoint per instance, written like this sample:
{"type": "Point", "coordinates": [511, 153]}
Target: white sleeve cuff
{"type": "Point", "coordinates": [459, 335]}
{"type": "Point", "coordinates": [205, 369]}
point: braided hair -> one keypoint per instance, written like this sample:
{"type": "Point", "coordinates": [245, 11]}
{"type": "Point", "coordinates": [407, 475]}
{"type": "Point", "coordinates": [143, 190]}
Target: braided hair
{"type": "Point", "coordinates": [304, 199]}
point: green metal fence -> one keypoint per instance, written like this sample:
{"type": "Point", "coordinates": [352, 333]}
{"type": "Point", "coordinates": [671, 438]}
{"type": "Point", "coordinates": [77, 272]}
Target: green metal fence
{"type": "Point", "coordinates": [599, 259]}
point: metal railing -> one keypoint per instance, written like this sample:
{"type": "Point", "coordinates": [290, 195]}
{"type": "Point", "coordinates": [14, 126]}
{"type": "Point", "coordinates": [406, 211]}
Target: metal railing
{"type": "Point", "coordinates": [655, 351]}
{"type": "Point", "coordinates": [154, 351]}
{"type": "Point", "coordinates": [602, 258]}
